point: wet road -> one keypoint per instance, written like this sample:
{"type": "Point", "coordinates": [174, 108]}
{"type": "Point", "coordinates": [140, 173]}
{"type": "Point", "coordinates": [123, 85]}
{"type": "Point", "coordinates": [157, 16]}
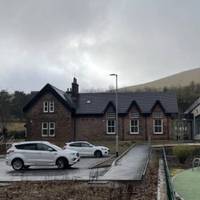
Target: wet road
{"type": "Point", "coordinates": [79, 171]}
{"type": "Point", "coordinates": [131, 166]}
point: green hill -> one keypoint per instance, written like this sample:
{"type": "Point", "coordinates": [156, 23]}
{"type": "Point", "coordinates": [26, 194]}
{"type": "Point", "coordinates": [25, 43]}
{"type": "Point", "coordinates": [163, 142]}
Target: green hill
{"type": "Point", "coordinates": [181, 79]}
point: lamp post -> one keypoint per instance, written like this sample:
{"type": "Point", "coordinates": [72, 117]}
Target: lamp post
{"type": "Point", "coordinates": [116, 124]}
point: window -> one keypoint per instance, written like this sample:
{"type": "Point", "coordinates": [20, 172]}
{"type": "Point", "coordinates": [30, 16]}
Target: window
{"type": "Point", "coordinates": [134, 126]}
{"type": "Point", "coordinates": [85, 145]}
{"type": "Point", "coordinates": [51, 129]}
{"type": "Point", "coordinates": [44, 129]}
{"type": "Point", "coordinates": [51, 106]}
{"type": "Point", "coordinates": [30, 146]}
{"type": "Point", "coordinates": [111, 126]}
{"type": "Point", "coordinates": [48, 129]}
{"type": "Point", "coordinates": [110, 123]}
{"type": "Point", "coordinates": [44, 147]}
{"type": "Point", "coordinates": [158, 126]}
{"type": "Point", "coordinates": [45, 106]}
{"type": "Point", "coordinates": [48, 106]}
{"type": "Point", "coordinates": [75, 145]}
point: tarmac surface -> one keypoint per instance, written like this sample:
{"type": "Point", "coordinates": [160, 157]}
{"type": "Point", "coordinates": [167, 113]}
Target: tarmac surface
{"type": "Point", "coordinates": [131, 166]}
{"type": "Point", "coordinates": [79, 171]}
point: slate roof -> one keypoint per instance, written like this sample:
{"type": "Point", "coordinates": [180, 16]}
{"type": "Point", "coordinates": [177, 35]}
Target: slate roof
{"type": "Point", "coordinates": [193, 106]}
{"type": "Point", "coordinates": [145, 101]}
{"type": "Point", "coordinates": [96, 103]}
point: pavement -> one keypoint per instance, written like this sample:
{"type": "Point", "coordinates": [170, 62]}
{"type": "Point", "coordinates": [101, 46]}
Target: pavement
{"type": "Point", "coordinates": [79, 171]}
{"type": "Point", "coordinates": [129, 167]}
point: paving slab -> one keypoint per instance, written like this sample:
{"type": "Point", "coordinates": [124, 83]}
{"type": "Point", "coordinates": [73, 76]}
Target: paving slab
{"type": "Point", "coordinates": [131, 166]}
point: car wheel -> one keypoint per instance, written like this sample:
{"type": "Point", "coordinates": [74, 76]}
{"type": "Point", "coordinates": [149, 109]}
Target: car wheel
{"type": "Point", "coordinates": [98, 154]}
{"type": "Point", "coordinates": [17, 164]}
{"type": "Point", "coordinates": [62, 163]}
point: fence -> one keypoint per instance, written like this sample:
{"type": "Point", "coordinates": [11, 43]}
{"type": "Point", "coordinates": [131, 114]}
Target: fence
{"type": "Point", "coordinates": [170, 189]}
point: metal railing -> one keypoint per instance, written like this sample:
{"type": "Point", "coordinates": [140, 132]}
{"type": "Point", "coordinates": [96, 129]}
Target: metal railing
{"type": "Point", "coordinates": [170, 189]}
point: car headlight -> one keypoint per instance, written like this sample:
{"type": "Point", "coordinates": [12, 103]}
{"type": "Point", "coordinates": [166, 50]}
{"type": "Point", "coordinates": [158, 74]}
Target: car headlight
{"type": "Point", "coordinates": [104, 149]}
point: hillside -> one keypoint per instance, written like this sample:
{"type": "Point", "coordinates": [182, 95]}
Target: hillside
{"type": "Point", "coordinates": [181, 79]}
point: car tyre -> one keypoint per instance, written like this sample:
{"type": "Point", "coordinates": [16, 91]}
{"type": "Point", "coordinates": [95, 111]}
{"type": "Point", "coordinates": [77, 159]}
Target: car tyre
{"type": "Point", "coordinates": [17, 164]}
{"type": "Point", "coordinates": [98, 154]}
{"type": "Point", "coordinates": [62, 163]}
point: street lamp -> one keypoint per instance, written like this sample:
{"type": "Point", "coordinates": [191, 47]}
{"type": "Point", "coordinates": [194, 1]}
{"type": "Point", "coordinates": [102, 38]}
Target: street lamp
{"type": "Point", "coordinates": [116, 126]}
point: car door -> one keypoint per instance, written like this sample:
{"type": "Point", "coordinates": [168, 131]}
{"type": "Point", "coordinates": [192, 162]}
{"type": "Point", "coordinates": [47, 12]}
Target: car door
{"type": "Point", "coordinates": [46, 155]}
{"type": "Point", "coordinates": [76, 146]}
{"type": "Point", "coordinates": [87, 149]}
{"type": "Point", "coordinates": [28, 152]}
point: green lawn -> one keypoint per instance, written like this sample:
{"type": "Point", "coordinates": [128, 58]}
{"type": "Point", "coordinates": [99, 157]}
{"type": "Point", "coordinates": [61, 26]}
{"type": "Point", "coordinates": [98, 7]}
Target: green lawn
{"type": "Point", "coordinates": [187, 184]}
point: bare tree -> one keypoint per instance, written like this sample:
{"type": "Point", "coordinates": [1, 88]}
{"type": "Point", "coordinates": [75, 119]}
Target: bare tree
{"type": "Point", "coordinates": [4, 112]}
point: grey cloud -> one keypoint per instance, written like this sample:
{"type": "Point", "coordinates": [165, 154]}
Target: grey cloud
{"type": "Point", "coordinates": [52, 41]}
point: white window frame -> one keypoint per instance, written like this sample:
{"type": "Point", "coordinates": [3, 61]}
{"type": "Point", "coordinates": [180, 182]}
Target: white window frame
{"type": "Point", "coordinates": [45, 106]}
{"type": "Point", "coordinates": [110, 126]}
{"type": "Point", "coordinates": [52, 128]}
{"type": "Point", "coordinates": [51, 106]}
{"type": "Point", "coordinates": [47, 129]}
{"type": "Point", "coordinates": [135, 126]}
{"type": "Point", "coordinates": [160, 126]}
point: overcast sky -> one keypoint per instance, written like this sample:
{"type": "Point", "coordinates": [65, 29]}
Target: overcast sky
{"type": "Point", "coordinates": [51, 41]}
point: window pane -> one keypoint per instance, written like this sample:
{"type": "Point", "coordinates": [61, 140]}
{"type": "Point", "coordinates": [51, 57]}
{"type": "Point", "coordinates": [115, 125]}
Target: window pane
{"type": "Point", "coordinates": [51, 132]}
{"type": "Point", "coordinates": [45, 106]}
{"type": "Point", "coordinates": [75, 145]}
{"type": "Point", "coordinates": [30, 146]}
{"type": "Point", "coordinates": [42, 147]}
{"type": "Point", "coordinates": [44, 125]}
{"type": "Point", "coordinates": [158, 126]}
{"type": "Point", "coordinates": [84, 145]}
{"type": "Point", "coordinates": [110, 126]}
{"type": "Point", "coordinates": [45, 132]}
{"type": "Point", "coordinates": [52, 125]}
{"type": "Point", "coordinates": [51, 106]}
{"type": "Point", "coordinates": [134, 126]}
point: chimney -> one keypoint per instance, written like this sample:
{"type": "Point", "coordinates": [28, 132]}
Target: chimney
{"type": "Point", "coordinates": [74, 90]}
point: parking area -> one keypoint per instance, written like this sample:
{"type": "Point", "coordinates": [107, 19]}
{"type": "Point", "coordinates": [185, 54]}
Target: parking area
{"type": "Point", "coordinates": [79, 171]}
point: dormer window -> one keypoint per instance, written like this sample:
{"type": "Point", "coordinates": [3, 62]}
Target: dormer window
{"type": "Point", "coordinates": [48, 106]}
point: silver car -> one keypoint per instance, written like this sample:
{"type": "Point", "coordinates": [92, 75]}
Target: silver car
{"type": "Point", "coordinates": [39, 153]}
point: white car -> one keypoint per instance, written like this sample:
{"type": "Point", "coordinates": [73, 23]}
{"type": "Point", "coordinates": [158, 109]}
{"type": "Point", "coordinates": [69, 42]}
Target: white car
{"type": "Point", "coordinates": [86, 149]}
{"type": "Point", "coordinates": [39, 153]}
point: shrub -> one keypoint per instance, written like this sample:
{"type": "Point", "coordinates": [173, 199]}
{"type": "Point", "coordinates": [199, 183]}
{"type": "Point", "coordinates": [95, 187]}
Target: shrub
{"type": "Point", "coordinates": [183, 152]}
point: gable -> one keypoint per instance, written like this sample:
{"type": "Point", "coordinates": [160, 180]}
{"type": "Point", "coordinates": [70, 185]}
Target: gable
{"type": "Point", "coordinates": [48, 89]}
{"type": "Point", "coordinates": [134, 107]}
{"type": "Point", "coordinates": [110, 108]}
{"type": "Point", "coordinates": [158, 107]}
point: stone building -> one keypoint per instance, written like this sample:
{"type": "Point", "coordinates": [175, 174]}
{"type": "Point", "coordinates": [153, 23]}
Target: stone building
{"type": "Point", "coordinates": [59, 116]}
